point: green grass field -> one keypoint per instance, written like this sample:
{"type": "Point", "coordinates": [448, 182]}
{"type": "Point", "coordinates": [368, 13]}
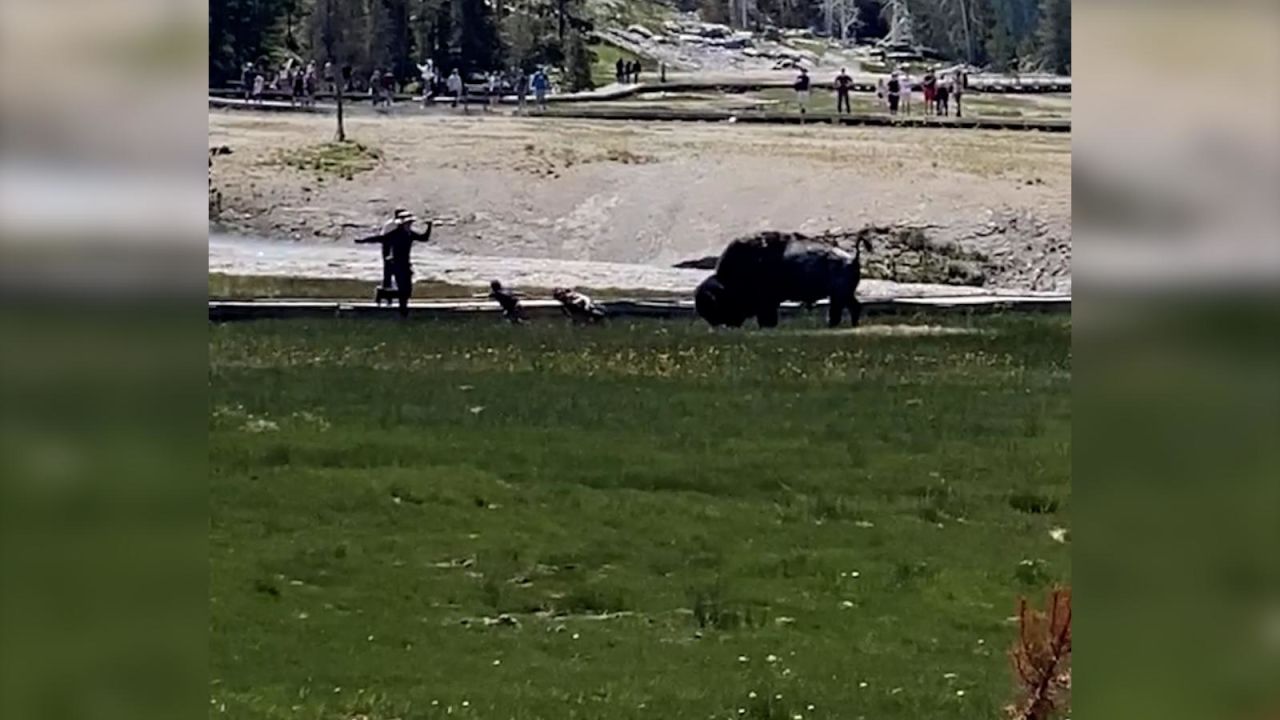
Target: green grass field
{"type": "Point", "coordinates": [640, 520]}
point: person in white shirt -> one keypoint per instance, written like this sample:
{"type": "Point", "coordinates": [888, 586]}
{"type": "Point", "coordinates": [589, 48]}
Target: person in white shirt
{"type": "Point", "coordinates": [494, 89]}
{"type": "Point", "coordinates": [455, 86]}
{"type": "Point", "coordinates": [427, 71]}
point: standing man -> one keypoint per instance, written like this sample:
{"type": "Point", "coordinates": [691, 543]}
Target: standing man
{"type": "Point", "coordinates": [635, 71]}
{"type": "Point", "coordinates": [494, 90]}
{"type": "Point", "coordinates": [427, 72]}
{"type": "Point", "coordinates": [454, 85]}
{"type": "Point", "coordinates": [397, 244]}
{"type": "Point", "coordinates": [844, 85]}
{"type": "Point", "coordinates": [929, 88]}
{"type": "Point", "coordinates": [522, 89]}
{"type": "Point", "coordinates": [246, 80]}
{"type": "Point", "coordinates": [960, 83]}
{"type": "Point", "coordinates": [620, 71]}
{"type": "Point", "coordinates": [541, 83]}
{"type": "Point", "coordinates": [802, 90]}
{"type": "Point", "coordinates": [944, 97]}
{"type": "Point", "coordinates": [893, 92]}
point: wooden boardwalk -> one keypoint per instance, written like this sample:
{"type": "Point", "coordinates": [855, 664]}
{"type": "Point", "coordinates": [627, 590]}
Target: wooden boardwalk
{"type": "Point", "coordinates": [238, 310]}
{"type": "Point", "coordinates": [637, 114]}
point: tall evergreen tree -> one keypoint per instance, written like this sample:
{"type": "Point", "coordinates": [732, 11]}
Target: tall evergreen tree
{"type": "Point", "coordinates": [1054, 35]}
{"type": "Point", "coordinates": [241, 31]}
{"type": "Point", "coordinates": [578, 62]}
{"type": "Point", "coordinates": [476, 39]}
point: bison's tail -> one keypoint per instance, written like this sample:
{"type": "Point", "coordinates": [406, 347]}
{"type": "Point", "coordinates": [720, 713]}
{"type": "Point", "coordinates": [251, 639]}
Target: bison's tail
{"type": "Point", "coordinates": [860, 242]}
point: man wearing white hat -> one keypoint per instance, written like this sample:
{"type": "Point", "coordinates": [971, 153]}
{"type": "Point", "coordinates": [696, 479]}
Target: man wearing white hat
{"type": "Point", "coordinates": [396, 237]}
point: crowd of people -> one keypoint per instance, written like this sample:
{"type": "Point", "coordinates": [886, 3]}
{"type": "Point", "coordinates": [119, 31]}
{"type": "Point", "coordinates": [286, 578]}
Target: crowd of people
{"type": "Point", "coordinates": [895, 94]}
{"type": "Point", "coordinates": [627, 71]}
{"type": "Point", "coordinates": [937, 89]}
{"type": "Point", "coordinates": [300, 84]}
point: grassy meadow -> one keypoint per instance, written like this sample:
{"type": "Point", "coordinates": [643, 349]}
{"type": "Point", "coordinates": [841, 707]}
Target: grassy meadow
{"type": "Point", "coordinates": [646, 519]}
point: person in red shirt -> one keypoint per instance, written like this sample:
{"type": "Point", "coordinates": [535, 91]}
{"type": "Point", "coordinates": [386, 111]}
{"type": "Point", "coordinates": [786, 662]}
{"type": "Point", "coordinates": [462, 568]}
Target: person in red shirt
{"type": "Point", "coordinates": [929, 86]}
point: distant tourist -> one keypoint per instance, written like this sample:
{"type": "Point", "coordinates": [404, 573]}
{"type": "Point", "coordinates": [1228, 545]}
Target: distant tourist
{"type": "Point", "coordinates": [620, 70]}
{"type": "Point", "coordinates": [906, 91]}
{"type": "Point", "coordinates": [310, 82]}
{"type": "Point", "coordinates": [893, 92]}
{"type": "Point", "coordinates": [493, 87]}
{"type": "Point", "coordinates": [541, 84]}
{"type": "Point", "coordinates": [929, 88]}
{"type": "Point", "coordinates": [844, 85]}
{"type": "Point", "coordinates": [388, 87]}
{"type": "Point", "coordinates": [959, 84]}
{"type": "Point", "coordinates": [882, 98]}
{"type": "Point", "coordinates": [329, 81]}
{"type": "Point", "coordinates": [259, 86]}
{"type": "Point", "coordinates": [801, 86]}
{"type": "Point", "coordinates": [455, 87]}
{"type": "Point", "coordinates": [508, 300]}
{"type": "Point", "coordinates": [522, 90]}
{"type": "Point", "coordinates": [943, 98]}
{"type": "Point", "coordinates": [246, 80]}
{"type": "Point", "coordinates": [375, 86]}
{"type": "Point", "coordinates": [635, 71]}
{"type": "Point", "coordinates": [427, 73]}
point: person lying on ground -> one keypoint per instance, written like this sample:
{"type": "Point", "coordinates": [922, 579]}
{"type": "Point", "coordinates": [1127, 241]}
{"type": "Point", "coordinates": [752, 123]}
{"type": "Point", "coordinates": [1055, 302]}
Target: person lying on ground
{"type": "Point", "coordinates": [578, 307]}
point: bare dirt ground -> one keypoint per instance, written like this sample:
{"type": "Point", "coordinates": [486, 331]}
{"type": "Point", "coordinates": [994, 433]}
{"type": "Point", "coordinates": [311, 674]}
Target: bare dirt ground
{"type": "Point", "coordinates": [655, 194]}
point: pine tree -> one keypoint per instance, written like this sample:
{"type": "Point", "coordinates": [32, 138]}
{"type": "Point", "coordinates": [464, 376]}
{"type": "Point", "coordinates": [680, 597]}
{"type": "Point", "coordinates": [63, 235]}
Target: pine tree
{"type": "Point", "coordinates": [1054, 36]}
{"type": "Point", "coordinates": [578, 62]}
{"type": "Point", "coordinates": [1001, 45]}
{"type": "Point", "coordinates": [476, 37]}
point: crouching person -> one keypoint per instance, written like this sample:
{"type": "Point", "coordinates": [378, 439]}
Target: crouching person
{"type": "Point", "coordinates": [509, 301]}
{"type": "Point", "coordinates": [578, 307]}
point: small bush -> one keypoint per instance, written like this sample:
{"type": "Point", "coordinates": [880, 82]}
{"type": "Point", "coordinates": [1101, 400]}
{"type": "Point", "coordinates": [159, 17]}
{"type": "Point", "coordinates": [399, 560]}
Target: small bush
{"type": "Point", "coordinates": [1041, 658]}
{"type": "Point", "coordinates": [1033, 503]}
{"type": "Point", "coordinates": [343, 159]}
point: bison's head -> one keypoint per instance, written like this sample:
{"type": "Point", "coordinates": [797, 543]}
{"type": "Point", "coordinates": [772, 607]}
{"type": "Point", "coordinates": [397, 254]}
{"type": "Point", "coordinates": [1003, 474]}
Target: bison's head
{"type": "Point", "coordinates": [717, 305]}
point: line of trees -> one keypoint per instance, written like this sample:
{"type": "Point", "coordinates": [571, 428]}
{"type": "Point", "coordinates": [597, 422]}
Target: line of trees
{"type": "Point", "coordinates": [473, 36]}
{"type": "Point", "coordinates": [1003, 34]}
{"type": "Point", "coordinates": [482, 35]}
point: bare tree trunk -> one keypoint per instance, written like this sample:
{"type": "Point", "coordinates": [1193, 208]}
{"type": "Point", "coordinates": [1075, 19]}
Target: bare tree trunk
{"type": "Point", "coordinates": [342, 129]}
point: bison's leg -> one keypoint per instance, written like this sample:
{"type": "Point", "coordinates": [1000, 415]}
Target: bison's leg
{"type": "Point", "coordinates": [767, 315]}
{"type": "Point", "coordinates": [835, 311]}
{"type": "Point", "coordinates": [855, 312]}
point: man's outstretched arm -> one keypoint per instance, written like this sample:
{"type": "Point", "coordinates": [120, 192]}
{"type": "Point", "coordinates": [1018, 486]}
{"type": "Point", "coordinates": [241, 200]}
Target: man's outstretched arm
{"type": "Point", "coordinates": [425, 236]}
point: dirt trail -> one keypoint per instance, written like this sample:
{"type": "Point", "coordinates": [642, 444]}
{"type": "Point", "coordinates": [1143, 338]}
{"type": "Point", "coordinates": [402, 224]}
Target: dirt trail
{"type": "Point", "coordinates": [652, 195]}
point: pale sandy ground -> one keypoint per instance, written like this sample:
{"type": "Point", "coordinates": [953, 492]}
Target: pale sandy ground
{"type": "Point", "coordinates": [649, 194]}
